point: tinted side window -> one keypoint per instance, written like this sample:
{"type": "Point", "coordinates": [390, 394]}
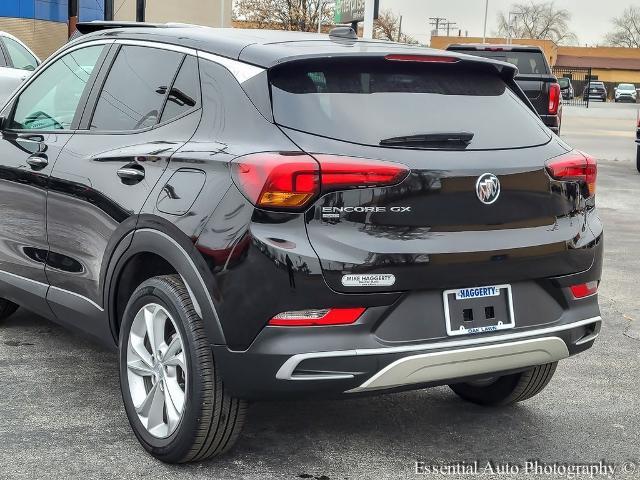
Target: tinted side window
{"type": "Point", "coordinates": [185, 93]}
{"type": "Point", "coordinates": [134, 92]}
{"type": "Point", "coordinates": [20, 56]}
{"type": "Point", "coordinates": [51, 100]}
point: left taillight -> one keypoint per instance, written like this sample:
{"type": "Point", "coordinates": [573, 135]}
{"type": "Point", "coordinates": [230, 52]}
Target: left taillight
{"type": "Point", "coordinates": [291, 181]}
{"type": "Point", "coordinates": [575, 166]}
{"type": "Point", "coordinates": [309, 318]}
{"type": "Point", "coordinates": [554, 98]}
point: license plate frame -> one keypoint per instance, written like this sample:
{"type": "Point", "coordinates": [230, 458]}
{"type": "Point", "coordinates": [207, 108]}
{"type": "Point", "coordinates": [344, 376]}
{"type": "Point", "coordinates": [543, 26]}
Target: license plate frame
{"type": "Point", "coordinates": [503, 298]}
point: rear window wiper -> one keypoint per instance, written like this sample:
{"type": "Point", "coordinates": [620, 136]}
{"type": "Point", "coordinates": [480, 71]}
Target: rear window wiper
{"type": "Point", "coordinates": [430, 140]}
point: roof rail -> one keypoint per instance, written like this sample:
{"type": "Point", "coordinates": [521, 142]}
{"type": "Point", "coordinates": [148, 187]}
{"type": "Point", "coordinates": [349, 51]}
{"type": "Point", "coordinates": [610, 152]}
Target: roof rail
{"type": "Point", "coordinates": [98, 25]}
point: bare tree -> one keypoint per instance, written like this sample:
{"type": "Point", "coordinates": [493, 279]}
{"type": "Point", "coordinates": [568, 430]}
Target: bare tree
{"type": "Point", "coordinates": [387, 27]}
{"type": "Point", "coordinates": [541, 20]}
{"type": "Point", "coordinates": [626, 32]}
{"type": "Point", "coordinates": [299, 15]}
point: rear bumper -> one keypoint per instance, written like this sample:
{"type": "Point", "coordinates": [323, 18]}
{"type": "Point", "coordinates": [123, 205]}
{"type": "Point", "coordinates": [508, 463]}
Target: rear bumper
{"type": "Point", "coordinates": [266, 370]}
{"type": "Point", "coordinates": [466, 362]}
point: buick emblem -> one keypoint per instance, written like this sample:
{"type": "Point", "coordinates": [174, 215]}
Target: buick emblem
{"type": "Point", "coordinates": [488, 188]}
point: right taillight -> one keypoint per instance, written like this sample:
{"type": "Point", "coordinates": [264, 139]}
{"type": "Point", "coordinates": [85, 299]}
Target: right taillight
{"type": "Point", "coordinates": [554, 98]}
{"type": "Point", "coordinates": [584, 290]}
{"type": "Point", "coordinates": [575, 166]}
{"type": "Point", "coordinates": [291, 181]}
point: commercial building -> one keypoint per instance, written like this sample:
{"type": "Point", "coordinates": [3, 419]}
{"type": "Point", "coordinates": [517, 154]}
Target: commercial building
{"type": "Point", "coordinates": [43, 24]}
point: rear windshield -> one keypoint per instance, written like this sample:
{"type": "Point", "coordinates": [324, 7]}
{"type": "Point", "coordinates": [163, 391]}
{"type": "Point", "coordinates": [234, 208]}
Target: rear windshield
{"type": "Point", "coordinates": [564, 82]}
{"type": "Point", "coordinates": [626, 86]}
{"type": "Point", "coordinates": [528, 63]}
{"type": "Point", "coordinates": [369, 101]}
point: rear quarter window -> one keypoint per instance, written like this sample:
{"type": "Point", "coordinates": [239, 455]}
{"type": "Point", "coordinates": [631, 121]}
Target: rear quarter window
{"type": "Point", "coordinates": [528, 63]}
{"type": "Point", "coordinates": [366, 101]}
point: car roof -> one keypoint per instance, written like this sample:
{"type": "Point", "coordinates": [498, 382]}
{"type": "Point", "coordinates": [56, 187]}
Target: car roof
{"type": "Point", "coordinates": [264, 48]}
{"type": "Point", "coordinates": [495, 46]}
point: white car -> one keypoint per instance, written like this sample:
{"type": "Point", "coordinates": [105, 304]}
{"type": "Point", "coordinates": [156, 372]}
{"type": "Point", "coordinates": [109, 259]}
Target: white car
{"type": "Point", "coordinates": [17, 61]}
{"type": "Point", "coordinates": [626, 92]}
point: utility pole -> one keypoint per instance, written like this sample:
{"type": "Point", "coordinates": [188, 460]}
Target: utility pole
{"type": "Point", "coordinates": [73, 16]}
{"type": "Point", "coordinates": [437, 22]}
{"type": "Point", "coordinates": [108, 10]}
{"type": "Point", "coordinates": [320, 9]}
{"type": "Point", "coordinates": [369, 14]}
{"type": "Point", "coordinates": [400, 30]}
{"type": "Point", "coordinates": [140, 10]}
{"type": "Point", "coordinates": [449, 26]}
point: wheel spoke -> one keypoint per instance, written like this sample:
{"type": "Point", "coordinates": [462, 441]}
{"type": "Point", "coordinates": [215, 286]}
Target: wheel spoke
{"type": "Point", "coordinates": [175, 346]}
{"type": "Point", "coordinates": [176, 361]}
{"type": "Point", "coordinates": [155, 321]}
{"type": "Point", "coordinates": [174, 401]}
{"type": "Point", "coordinates": [140, 368]}
{"type": "Point", "coordinates": [150, 326]}
{"type": "Point", "coordinates": [152, 408]}
{"type": "Point", "coordinates": [139, 351]}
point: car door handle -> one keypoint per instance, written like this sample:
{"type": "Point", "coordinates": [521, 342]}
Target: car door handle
{"type": "Point", "coordinates": [131, 174]}
{"type": "Point", "coordinates": [38, 161]}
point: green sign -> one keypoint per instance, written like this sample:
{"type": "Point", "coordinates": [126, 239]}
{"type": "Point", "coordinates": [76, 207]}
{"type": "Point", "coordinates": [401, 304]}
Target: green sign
{"type": "Point", "coordinates": [349, 11]}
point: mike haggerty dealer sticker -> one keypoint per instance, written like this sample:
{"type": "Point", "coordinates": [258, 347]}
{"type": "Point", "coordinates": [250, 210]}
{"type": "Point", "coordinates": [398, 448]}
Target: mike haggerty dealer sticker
{"type": "Point", "coordinates": [369, 280]}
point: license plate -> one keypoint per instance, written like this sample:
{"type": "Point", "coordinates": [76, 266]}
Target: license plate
{"type": "Point", "coordinates": [478, 309]}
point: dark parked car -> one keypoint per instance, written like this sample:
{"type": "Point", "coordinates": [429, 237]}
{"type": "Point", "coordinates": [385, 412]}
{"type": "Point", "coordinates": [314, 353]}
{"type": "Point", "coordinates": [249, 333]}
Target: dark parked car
{"type": "Point", "coordinates": [566, 87]}
{"type": "Point", "coordinates": [253, 214]}
{"type": "Point", "coordinates": [534, 76]}
{"type": "Point", "coordinates": [595, 90]}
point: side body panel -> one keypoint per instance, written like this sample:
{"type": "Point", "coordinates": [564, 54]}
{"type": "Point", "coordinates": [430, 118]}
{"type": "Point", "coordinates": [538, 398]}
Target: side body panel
{"type": "Point", "coordinates": [23, 197]}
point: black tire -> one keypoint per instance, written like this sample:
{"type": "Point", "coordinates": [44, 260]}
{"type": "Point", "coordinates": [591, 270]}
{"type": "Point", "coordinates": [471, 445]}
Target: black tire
{"type": "Point", "coordinates": [211, 420]}
{"type": "Point", "coordinates": [508, 389]}
{"type": "Point", "coordinates": [638, 158]}
{"type": "Point", "coordinates": [7, 308]}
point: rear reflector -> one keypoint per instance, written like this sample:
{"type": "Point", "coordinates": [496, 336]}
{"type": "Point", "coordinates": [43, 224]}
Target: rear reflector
{"type": "Point", "coordinates": [583, 290]}
{"type": "Point", "coordinates": [575, 166]}
{"type": "Point", "coordinates": [307, 318]}
{"type": "Point", "coordinates": [421, 58]}
{"type": "Point", "coordinates": [554, 98]}
{"type": "Point", "coordinates": [291, 181]}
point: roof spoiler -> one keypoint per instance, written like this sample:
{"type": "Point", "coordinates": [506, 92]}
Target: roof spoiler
{"type": "Point", "coordinates": [98, 25]}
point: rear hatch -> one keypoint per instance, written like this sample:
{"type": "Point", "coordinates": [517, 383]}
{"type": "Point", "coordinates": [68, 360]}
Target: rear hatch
{"type": "Point", "coordinates": [449, 124]}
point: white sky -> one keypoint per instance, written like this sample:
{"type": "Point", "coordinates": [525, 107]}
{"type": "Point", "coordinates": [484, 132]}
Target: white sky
{"type": "Point", "coordinates": [591, 19]}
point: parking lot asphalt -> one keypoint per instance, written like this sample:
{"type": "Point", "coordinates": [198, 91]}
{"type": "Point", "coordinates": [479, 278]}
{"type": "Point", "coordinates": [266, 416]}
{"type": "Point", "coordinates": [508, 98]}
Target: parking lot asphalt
{"type": "Point", "coordinates": [61, 415]}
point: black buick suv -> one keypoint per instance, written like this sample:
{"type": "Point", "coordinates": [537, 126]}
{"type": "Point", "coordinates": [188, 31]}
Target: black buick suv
{"type": "Point", "coordinates": [249, 215]}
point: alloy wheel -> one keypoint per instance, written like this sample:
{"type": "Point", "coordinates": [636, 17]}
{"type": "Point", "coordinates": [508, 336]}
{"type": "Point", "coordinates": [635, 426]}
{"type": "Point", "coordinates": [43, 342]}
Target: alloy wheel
{"type": "Point", "coordinates": [156, 370]}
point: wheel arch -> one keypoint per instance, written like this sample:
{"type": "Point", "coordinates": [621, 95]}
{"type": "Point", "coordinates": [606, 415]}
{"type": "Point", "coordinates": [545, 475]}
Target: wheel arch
{"type": "Point", "coordinates": [158, 247]}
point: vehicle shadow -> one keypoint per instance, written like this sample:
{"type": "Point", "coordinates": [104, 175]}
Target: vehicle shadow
{"type": "Point", "coordinates": [389, 431]}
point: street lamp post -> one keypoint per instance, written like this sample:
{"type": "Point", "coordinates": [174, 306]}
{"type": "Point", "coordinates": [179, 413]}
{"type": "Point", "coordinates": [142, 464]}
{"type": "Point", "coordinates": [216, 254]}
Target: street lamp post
{"type": "Point", "coordinates": [486, 12]}
{"type": "Point", "coordinates": [510, 26]}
